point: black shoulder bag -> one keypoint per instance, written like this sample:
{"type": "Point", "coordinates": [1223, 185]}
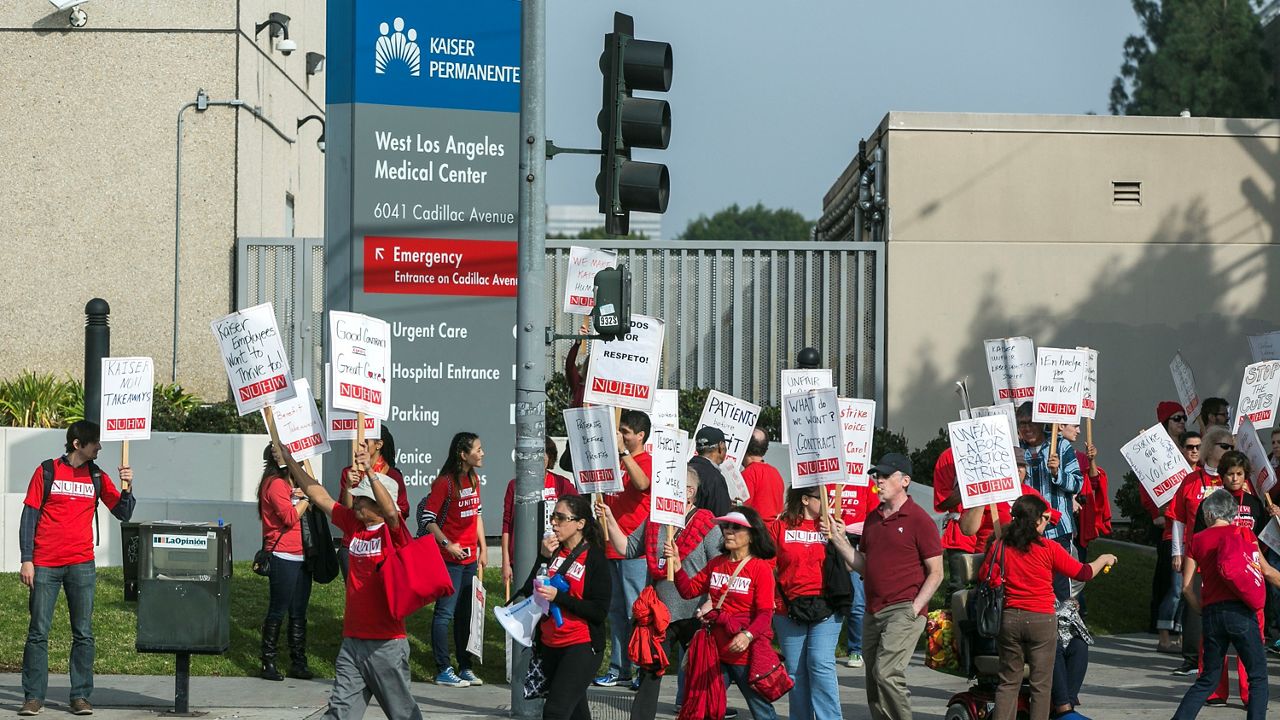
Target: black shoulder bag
{"type": "Point", "coordinates": [988, 597]}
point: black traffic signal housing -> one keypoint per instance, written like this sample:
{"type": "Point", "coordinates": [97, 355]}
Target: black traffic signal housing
{"type": "Point", "coordinates": [627, 122]}
{"type": "Point", "coordinates": [611, 315]}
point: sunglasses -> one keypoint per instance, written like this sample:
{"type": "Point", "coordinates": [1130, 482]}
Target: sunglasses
{"type": "Point", "coordinates": [1226, 446]}
{"type": "Point", "coordinates": [1192, 448]}
{"type": "Point", "coordinates": [731, 528]}
{"type": "Point", "coordinates": [559, 517]}
{"type": "Point", "coordinates": [812, 497]}
{"type": "Point", "coordinates": [1178, 418]}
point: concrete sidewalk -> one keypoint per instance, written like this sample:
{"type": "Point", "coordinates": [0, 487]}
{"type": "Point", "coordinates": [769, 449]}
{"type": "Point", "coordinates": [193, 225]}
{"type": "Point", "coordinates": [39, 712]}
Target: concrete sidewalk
{"type": "Point", "coordinates": [1126, 679]}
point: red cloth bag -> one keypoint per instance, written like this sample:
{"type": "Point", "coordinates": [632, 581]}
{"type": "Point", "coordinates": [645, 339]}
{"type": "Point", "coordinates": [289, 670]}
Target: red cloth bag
{"type": "Point", "coordinates": [650, 619]}
{"type": "Point", "coordinates": [415, 576]}
{"type": "Point", "coordinates": [703, 680]}
{"type": "Point", "coordinates": [1241, 569]}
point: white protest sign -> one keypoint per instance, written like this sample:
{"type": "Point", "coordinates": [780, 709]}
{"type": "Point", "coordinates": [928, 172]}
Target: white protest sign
{"type": "Point", "coordinates": [579, 284]}
{"type": "Point", "coordinates": [254, 358]}
{"type": "Point", "coordinates": [1060, 379]}
{"type": "Point", "coordinates": [475, 644]}
{"type": "Point", "coordinates": [857, 421]}
{"type": "Point", "coordinates": [1011, 362]}
{"type": "Point", "coordinates": [1259, 392]}
{"type": "Point", "coordinates": [1271, 534]}
{"type": "Point", "coordinates": [798, 381]}
{"type": "Point", "coordinates": [738, 490]}
{"type": "Point", "coordinates": [624, 373]}
{"type": "Point", "coordinates": [299, 425]}
{"type": "Point", "coordinates": [666, 408]}
{"type": "Point", "coordinates": [1265, 346]}
{"type": "Point", "coordinates": [734, 417]}
{"type": "Point", "coordinates": [593, 446]}
{"type": "Point", "coordinates": [1089, 406]}
{"type": "Point", "coordinates": [360, 348]}
{"type": "Point", "coordinates": [1004, 410]}
{"type": "Point", "coordinates": [986, 469]}
{"type": "Point", "coordinates": [1248, 442]}
{"type": "Point", "coordinates": [817, 437]}
{"type": "Point", "coordinates": [127, 385]}
{"type": "Point", "coordinates": [667, 497]}
{"type": "Point", "coordinates": [1185, 383]}
{"type": "Point", "coordinates": [1158, 463]}
{"type": "Point", "coordinates": [341, 424]}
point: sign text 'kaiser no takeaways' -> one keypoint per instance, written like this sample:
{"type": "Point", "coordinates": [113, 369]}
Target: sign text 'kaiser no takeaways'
{"type": "Point", "coordinates": [127, 387]}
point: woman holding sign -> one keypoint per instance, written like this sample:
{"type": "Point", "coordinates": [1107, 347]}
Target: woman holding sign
{"type": "Point", "coordinates": [281, 505]}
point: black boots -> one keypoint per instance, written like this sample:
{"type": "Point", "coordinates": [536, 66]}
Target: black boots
{"type": "Point", "coordinates": [298, 650]}
{"type": "Point", "coordinates": [270, 641]}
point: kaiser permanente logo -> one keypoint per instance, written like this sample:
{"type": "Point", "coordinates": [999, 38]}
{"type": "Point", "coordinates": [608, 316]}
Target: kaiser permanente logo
{"type": "Point", "coordinates": [449, 58]}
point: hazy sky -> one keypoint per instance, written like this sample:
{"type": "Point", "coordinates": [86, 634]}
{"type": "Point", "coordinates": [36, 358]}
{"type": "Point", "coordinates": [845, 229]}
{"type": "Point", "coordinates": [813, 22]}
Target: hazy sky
{"type": "Point", "coordinates": [769, 99]}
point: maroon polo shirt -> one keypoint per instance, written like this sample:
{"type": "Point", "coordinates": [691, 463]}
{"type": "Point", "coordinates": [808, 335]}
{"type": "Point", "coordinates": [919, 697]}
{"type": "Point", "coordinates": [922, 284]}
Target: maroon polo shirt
{"type": "Point", "coordinates": [896, 548]}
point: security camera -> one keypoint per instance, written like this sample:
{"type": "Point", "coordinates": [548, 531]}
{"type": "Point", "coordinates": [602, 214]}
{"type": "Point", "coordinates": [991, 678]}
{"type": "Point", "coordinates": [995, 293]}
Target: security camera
{"type": "Point", "coordinates": [287, 46]}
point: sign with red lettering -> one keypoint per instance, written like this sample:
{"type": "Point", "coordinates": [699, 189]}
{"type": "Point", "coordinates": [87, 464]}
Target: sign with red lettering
{"type": "Point", "coordinates": [593, 446]}
{"type": "Point", "coordinates": [1061, 375]}
{"type": "Point", "coordinates": [817, 437]}
{"type": "Point", "coordinates": [341, 424]}
{"type": "Point", "coordinates": [857, 418]}
{"type": "Point", "coordinates": [1184, 381]}
{"type": "Point", "coordinates": [667, 497]}
{"type": "Point", "coordinates": [580, 285]}
{"type": "Point", "coordinates": [299, 425]}
{"type": "Point", "coordinates": [254, 357]}
{"type": "Point", "coordinates": [127, 385]}
{"type": "Point", "coordinates": [1011, 362]}
{"type": "Point", "coordinates": [1089, 405]}
{"type": "Point", "coordinates": [1248, 442]}
{"type": "Point", "coordinates": [986, 467]}
{"type": "Point", "coordinates": [360, 375]}
{"type": "Point", "coordinates": [1158, 463]}
{"type": "Point", "coordinates": [624, 373]}
{"type": "Point", "coordinates": [439, 266]}
{"type": "Point", "coordinates": [1259, 393]}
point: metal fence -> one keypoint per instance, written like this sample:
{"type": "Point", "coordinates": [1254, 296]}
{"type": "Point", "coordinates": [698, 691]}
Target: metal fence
{"type": "Point", "coordinates": [288, 273]}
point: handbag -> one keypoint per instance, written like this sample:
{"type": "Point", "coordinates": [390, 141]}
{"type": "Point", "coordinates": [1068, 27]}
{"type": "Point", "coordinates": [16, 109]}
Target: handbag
{"type": "Point", "coordinates": [766, 674]}
{"type": "Point", "coordinates": [988, 597]}
{"type": "Point", "coordinates": [809, 609]}
{"type": "Point", "coordinates": [262, 558]}
{"type": "Point", "coordinates": [1240, 569]}
{"type": "Point", "coordinates": [415, 576]}
{"type": "Point", "coordinates": [320, 556]}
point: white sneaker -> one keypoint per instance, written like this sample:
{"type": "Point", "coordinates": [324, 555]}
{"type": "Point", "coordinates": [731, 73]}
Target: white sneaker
{"type": "Point", "coordinates": [854, 660]}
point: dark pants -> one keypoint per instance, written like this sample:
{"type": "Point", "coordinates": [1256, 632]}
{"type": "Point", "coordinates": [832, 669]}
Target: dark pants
{"type": "Point", "coordinates": [455, 608]}
{"type": "Point", "coordinates": [1191, 624]}
{"type": "Point", "coordinates": [569, 671]}
{"type": "Point", "coordinates": [679, 633]}
{"type": "Point", "coordinates": [290, 585]}
{"type": "Point", "coordinates": [1062, 583]}
{"type": "Point", "coordinates": [1229, 623]}
{"type": "Point", "coordinates": [79, 582]}
{"type": "Point", "coordinates": [1069, 669]}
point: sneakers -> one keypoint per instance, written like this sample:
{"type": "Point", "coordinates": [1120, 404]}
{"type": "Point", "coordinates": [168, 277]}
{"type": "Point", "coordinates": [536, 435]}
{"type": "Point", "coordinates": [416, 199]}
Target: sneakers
{"type": "Point", "coordinates": [1216, 702]}
{"type": "Point", "coordinates": [1187, 668]}
{"type": "Point", "coordinates": [730, 714]}
{"type": "Point", "coordinates": [449, 678]}
{"type": "Point", "coordinates": [635, 684]}
{"type": "Point", "coordinates": [470, 677]}
{"type": "Point", "coordinates": [854, 660]}
{"type": "Point", "coordinates": [31, 707]}
{"type": "Point", "coordinates": [80, 706]}
{"type": "Point", "coordinates": [606, 680]}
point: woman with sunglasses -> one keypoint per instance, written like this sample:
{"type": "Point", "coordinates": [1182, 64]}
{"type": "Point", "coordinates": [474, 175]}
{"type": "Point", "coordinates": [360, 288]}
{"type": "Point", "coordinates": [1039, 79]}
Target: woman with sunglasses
{"type": "Point", "coordinates": [740, 587]}
{"type": "Point", "coordinates": [570, 650]}
{"type": "Point", "coordinates": [1029, 624]}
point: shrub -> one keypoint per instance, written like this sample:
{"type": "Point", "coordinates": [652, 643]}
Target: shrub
{"type": "Point", "coordinates": [41, 401]}
{"type": "Point", "coordinates": [923, 460]}
{"type": "Point", "coordinates": [1129, 502]}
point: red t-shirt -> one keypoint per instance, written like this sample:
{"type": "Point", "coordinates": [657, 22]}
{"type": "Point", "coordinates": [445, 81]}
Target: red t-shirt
{"type": "Point", "coordinates": [1186, 502]}
{"type": "Point", "coordinates": [801, 551]}
{"type": "Point", "coordinates": [1028, 576]}
{"type": "Point", "coordinates": [750, 595]}
{"type": "Point", "coordinates": [554, 487]}
{"type": "Point", "coordinates": [1204, 549]}
{"type": "Point", "coordinates": [461, 515]}
{"type": "Point", "coordinates": [858, 500]}
{"type": "Point", "coordinates": [279, 515]}
{"type": "Point", "coordinates": [64, 534]}
{"type": "Point", "coordinates": [631, 506]}
{"type": "Point", "coordinates": [944, 489]}
{"type": "Point", "coordinates": [896, 548]}
{"type": "Point", "coordinates": [367, 616]}
{"type": "Point", "coordinates": [575, 630]}
{"type": "Point", "coordinates": [765, 485]}
{"type": "Point", "coordinates": [402, 497]}
{"type": "Point", "coordinates": [985, 531]}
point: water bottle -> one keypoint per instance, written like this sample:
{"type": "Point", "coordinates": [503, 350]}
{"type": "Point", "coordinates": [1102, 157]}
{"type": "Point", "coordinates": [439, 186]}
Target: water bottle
{"type": "Point", "coordinates": [538, 582]}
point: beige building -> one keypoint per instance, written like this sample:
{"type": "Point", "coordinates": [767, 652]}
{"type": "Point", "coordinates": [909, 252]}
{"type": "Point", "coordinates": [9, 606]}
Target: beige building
{"type": "Point", "coordinates": [1136, 236]}
{"type": "Point", "coordinates": [88, 119]}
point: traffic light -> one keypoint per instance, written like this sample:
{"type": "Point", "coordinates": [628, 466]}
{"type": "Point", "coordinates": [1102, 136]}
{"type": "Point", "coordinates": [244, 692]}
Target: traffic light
{"type": "Point", "coordinates": [612, 312]}
{"type": "Point", "coordinates": [628, 122]}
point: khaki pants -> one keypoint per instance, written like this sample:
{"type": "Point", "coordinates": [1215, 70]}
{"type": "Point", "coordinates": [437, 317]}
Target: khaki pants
{"type": "Point", "coordinates": [1030, 638]}
{"type": "Point", "coordinates": [888, 639]}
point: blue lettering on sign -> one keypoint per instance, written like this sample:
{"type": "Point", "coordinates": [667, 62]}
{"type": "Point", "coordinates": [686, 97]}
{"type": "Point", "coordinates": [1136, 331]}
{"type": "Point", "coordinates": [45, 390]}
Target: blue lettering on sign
{"type": "Point", "coordinates": [460, 54]}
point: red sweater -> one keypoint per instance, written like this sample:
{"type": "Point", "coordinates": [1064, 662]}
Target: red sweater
{"type": "Point", "coordinates": [1028, 575]}
{"type": "Point", "coordinates": [275, 505]}
{"type": "Point", "coordinates": [749, 604]}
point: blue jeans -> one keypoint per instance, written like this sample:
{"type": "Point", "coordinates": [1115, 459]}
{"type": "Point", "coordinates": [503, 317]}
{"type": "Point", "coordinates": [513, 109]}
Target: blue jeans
{"type": "Point", "coordinates": [810, 655]}
{"type": "Point", "coordinates": [290, 588]}
{"type": "Point", "coordinates": [628, 578]}
{"type": "Point", "coordinates": [458, 603]}
{"type": "Point", "coordinates": [79, 581]}
{"type": "Point", "coordinates": [761, 709]}
{"type": "Point", "coordinates": [853, 626]}
{"type": "Point", "coordinates": [1229, 623]}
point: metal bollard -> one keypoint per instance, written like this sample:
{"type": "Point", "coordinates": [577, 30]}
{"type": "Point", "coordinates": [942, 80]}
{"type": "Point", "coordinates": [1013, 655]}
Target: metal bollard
{"type": "Point", "coordinates": [97, 345]}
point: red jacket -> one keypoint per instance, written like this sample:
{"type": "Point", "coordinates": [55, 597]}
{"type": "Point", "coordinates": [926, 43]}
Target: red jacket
{"type": "Point", "coordinates": [1095, 506]}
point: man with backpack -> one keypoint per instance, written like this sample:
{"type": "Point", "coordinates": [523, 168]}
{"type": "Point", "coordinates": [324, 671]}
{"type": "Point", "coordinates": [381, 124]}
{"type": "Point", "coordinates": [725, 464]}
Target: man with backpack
{"type": "Point", "coordinates": [55, 538]}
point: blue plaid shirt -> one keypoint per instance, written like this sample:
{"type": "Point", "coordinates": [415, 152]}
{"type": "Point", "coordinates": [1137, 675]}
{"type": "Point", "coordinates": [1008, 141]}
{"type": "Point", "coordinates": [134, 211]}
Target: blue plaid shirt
{"type": "Point", "coordinates": [1057, 489]}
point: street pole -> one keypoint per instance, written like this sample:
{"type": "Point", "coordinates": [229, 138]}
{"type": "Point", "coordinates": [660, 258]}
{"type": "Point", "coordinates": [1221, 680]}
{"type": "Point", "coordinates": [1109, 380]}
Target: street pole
{"type": "Point", "coordinates": [531, 318]}
{"type": "Point", "coordinates": [97, 345]}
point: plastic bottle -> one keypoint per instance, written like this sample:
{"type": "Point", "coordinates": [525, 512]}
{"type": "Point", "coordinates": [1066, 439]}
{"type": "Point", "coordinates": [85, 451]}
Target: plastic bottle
{"type": "Point", "coordinates": [538, 582]}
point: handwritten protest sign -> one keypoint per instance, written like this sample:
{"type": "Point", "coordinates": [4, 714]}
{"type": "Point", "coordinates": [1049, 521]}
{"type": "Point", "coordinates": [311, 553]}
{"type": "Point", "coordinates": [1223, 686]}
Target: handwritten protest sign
{"type": "Point", "coordinates": [986, 469]}
{"type": "Point", "coordinates": [666, 408]}
{"type": "Point", "coordinates": [624, 373]}
{"type": "Point", "coordinates": [361, 368]}
{"type": "Point", "coordinates": [1060, 379]}
{"type": "Point", "coordinates": [299, 425]}
{"type": "Point", "coordinates": [1011, 362]}
{"type": "Point", "coordinates": [341, 424]}
{"type": "Point", "coordinates": [1248, 442]}
{"type": "Point", "coordinates": [734, 417]}
{"type": "Point", "coordinates": [1157, 462]}
{"type": "Point", "coordinates": [475, 644]}
{"type": "Point", "coordinates": [579, 285]}
{"type": "Point", "coordinates": [1089, 406]}
{"type": "Point", "coordinates": [1184, 381]}
{"type": "Point", "coordinates": [1265, 346]}
{"type": "Point", "coordinates": [254, 358]}
{"type": "Point", "coordinates": [593, 446]}
{"type": "Point", "coordinates": [798, 381]}
{"type": "Point", "coordinates": [1259, 392]}
{"type": "Point", "coordinates": [857, 422]}
{"type": "Point", "coordinates": [127, 385]}
{"type": "Point", "coordinates": [667, 498]}
{"type": "Point", "coordinates": [1005, 410]}
{"type": "Point", "coordinates": [1271, 534]}
{"type": "Point", "coordinates": [817, 437]}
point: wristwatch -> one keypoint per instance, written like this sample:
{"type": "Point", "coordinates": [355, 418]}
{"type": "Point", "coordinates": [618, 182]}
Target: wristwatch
{"type": "Point", "coordinates": [750, 635]}
{"type": "Point", "coordinates": [623, 453]}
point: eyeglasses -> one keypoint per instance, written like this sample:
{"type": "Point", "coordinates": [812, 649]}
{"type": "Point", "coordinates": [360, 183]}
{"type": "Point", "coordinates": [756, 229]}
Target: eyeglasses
{"type": "Point", "coordinates": [1192, 448]}
{"type": "Point", "coordinates": [811, 497]}
{"type": "Point", "coordinates": [1178, 418]}
{"type": "Point", "coordinates": [1226, 446]}
{"type": "Point", "coordinates": [731, 528]}
{"type": "Point", "coordinates": [559, 517]}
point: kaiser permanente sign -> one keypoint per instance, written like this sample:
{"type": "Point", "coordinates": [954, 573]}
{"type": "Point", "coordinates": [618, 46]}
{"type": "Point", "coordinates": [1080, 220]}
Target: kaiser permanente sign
{"type": "Point", "coordinates": [421, 186]}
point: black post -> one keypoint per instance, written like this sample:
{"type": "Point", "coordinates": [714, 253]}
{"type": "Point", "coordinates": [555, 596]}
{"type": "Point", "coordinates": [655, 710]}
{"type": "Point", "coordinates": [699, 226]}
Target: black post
{"type": "Point", "coordinates": [809, 359]}
{"type": "Point", "coordinates": [182, 685]}
{"type": "Point", "coordinates": [97, 345]}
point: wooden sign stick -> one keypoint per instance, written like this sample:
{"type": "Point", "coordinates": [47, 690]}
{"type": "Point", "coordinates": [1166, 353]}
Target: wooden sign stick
{"type": "Point", "coordinates": [839, 499]}
{"type": "Point", "coordinates": [270, 417]}
{"type": "Point", "coordinates": [124, 461]}
{"type": "Point", "coordinates": [1053, 443]}
{"type": "Point", "coordinates": [306, 465]}
{"type": "Point", "coordinates": [1088, 431]}
{"type": "Point", "coordinates": [671, 569]}
{"type": "Point", "coordinates": [826, 510]}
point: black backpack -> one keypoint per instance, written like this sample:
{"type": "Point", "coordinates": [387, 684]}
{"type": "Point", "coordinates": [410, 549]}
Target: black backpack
{"type": "Point", "coordinates": [94, 472]}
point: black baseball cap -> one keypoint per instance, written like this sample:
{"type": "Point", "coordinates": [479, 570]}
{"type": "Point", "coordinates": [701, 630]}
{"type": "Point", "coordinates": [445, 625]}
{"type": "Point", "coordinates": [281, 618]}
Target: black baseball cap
{"type": "Point", "coordinates": [708, 437]}
{"type": "Point", "coordinates": [891, 463]}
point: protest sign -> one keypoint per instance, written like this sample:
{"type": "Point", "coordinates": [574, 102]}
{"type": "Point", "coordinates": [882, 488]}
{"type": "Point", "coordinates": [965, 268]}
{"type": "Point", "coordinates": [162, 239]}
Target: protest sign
{"type": "Point", "coordinates": [986, 469]}
{"type": "Point", "coordinates": [1271, 534]}
{"type": "Point", "coordinates": [1011, 362]}
{"type": "Point", "coordinates": [798, 381]}
{"type": "Point", "coordinates": [254, 358]}
{"type": "Point", "coordinates": [734, 417]}
{"type": "Point", "coordinates": [1089, 406]}
{"type": "Point", "coordinates": [1005, 410]}
{"type": "Point", "coordinates": [666, 409]}
{"type": "Point", "coordinates": [580, 285]}
{"type": "Point", "coordinates": [1248, 442]}
{"type": "Point", "coordinates": [1265, 346]}
{"type": "Point", "coordinates": [475, 644]}
{"type": "Point", "coordinates": [1158, 463]}
{"type": "Point", "coordinates": [667, 498]}
{"type": "Point", "coordinates": [360, 346]}
{"type": "Point", "coordinates": [127, 385]}
{"type": "Point", "coordinates": [593, 446]}
{"type": "Point", "coordinates": [624, 373]}
{"type": "Point", "coordinates": [1060, 379]}
{"type": "Point", "coordinates": [1184, 381]}
{"type": "Point", "coordinates": [1259, 392]}
{"type": "Point", "coordinates": [299, 425]}
{"type": "Point", "coordinates": [341, 424]}
{"type": "Point", "coordinates": [738, 490]}
{"type": "Point", "coordinates": [817, 437]}
{"type": "Point", "coordinates": [857, 422]}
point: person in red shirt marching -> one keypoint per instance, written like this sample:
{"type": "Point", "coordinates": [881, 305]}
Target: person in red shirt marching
{"type": "Point", "coordinates": [976, 521]}
{"type": "Point", "coordinates": [764, 483]}
{"type": "Point", "coordinates": [946, 499]}
{"type": "Point", "coordinates": [555, 487]}
{"type": "Point", "coordinates": [382, 453]}
{"type": "Point", "coordinates": [451, 512]}
{"type": "Point", "coordinates": [280, 508]}
{"type": "Point", "coordinates": [55, 539]}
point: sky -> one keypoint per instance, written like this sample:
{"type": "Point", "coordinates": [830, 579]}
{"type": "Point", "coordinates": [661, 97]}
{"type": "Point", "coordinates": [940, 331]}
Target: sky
{"type": "Point", "coordinates": [770, 99]}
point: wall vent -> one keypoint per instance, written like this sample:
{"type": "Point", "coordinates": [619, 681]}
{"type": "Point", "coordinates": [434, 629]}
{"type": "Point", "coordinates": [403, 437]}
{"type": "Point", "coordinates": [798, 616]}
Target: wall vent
{"type": "Point", "coordinates": [1126, 193]}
